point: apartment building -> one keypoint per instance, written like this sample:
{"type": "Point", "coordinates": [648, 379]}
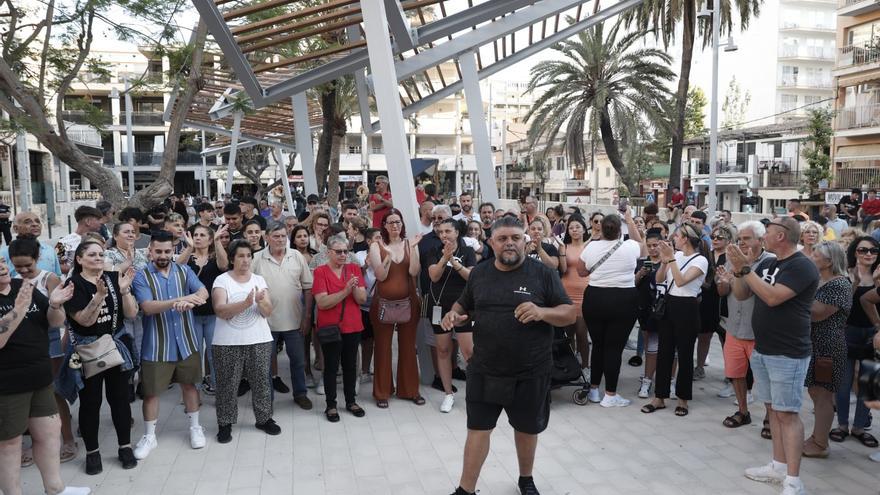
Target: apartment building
{"type": "Point", "coordinates": [856, 143]}
{"type": "Point", "coordinates": [805, 57]}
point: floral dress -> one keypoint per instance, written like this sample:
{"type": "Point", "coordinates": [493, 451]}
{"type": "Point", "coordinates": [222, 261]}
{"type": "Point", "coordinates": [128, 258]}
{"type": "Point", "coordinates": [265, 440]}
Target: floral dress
{"type": "Point", "coordinates": [828, 336]}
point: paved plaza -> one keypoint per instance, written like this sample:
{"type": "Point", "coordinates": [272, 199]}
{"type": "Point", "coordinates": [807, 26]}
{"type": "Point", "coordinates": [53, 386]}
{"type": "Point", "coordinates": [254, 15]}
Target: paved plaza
{"type": "Point", "coordinates": [411, 450]}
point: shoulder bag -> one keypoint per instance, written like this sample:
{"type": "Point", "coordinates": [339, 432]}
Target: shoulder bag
{"type": "Point", "coordinates": [329, 334]}
{"type": "Point", "coordinates": [605, 257]}
{"type": "Point", "coordinates": [396, 311]}
{"type": "Point", "coordinates": [102, 354]}
{"type": "Point", "coordinates": [658, 309]}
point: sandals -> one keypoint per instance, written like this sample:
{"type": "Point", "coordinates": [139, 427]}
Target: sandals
{"type": "Point", "coordinates": [681, 411]}
{"type": "Point", "coordinates": [838, 435]}
{"type": "Point", "coordinates": [68, 452]}
{"type": "Point", "coordinates": [737, 419]}
{"type": "Point", "coordinates": [649, 408]}
{"type": "Point", "coordinates": [27, 458]}
{"type": "Point", "coordinates": [765, 430]}
{"type": "Point", "coordinates": [355, 409]}
{"type": "Point", "coordinates": [332, 415]}
{"type": "Point", "coordinates": [418, 400]}
{"type": "Point", "coordinates": [867, 439]}
{"type": "Point", "coordinates": [812, 449]}
{"type": "Point", "coordinates": [382, 404]}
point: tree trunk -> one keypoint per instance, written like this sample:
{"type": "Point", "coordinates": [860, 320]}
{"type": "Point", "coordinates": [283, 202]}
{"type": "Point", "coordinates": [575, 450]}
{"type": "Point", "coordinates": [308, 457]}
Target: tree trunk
{"type": "Point", "coordinates": [687, 52]}
{"type": "Point", "coordinates": [325, 142]}
{"type": "Point", "coordinates": [339, 130]}
{"type": "Point", "coordinates": [163, 186]}
{"type": "Point", "coordinates": [613, 151]}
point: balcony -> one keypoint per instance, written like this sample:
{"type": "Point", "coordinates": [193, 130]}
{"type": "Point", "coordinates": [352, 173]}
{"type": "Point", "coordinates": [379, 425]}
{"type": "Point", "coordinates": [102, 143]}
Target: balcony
{"type": "Point", "coordinates": [144, 118]}
{"type": "Point", "coordinates": [811, 28]}
{"type": "Point", "coordinates": [859, 120]}
{"type": "Point", "coordinates": [722, 167]}
{"type": "Point", "coordinates": [856, 58]}
{"type": "Point", "coordinates": [81, 117]}
{"type": "Point", "coordinates": [790, 52]}
{"type": "Point", "coordinates": [852, 8]}
{"type": "Point", "coordinates": [783, 179]}
{"type": "Point", "coordinates": [860, 174]}
{"type": "Point", "coordinates": [153, 158]}
{"type": "Point", "coordinates": [804, 82]}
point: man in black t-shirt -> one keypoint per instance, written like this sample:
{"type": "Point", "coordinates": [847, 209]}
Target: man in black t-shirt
{"type": "Point", "coordinates": [784, 288]}
{"type": "Point", "coordinates": [513, 304]}
{"type": "Point", "coordinates": [850, 205]}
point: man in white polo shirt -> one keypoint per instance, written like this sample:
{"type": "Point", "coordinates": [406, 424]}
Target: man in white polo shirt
{"type": "Point", "coordinates": [290, 287]}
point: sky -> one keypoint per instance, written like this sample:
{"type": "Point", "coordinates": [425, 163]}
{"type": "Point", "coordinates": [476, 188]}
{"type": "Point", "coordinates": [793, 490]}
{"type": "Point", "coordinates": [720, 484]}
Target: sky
{"type": "Point", "coordinates": [753, 64]}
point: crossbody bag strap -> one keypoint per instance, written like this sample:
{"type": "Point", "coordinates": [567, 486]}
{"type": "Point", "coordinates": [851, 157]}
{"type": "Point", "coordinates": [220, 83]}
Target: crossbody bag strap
{"type": "Point", "coordinates": [606, 256]}
{"type": "Point", "coordinates": [672, 282]}
{"type": "Point", "coordinates": [112, 290]}
{"type": "Point", "coordinates": [342, 313]}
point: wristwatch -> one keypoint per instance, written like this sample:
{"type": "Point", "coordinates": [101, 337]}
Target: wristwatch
{"type": "Point", "coordinates": [743, 272]}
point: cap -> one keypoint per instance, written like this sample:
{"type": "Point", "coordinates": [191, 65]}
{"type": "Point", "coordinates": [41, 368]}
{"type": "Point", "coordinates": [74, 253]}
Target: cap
{"type": "Point", "coordinates": [312, 198]}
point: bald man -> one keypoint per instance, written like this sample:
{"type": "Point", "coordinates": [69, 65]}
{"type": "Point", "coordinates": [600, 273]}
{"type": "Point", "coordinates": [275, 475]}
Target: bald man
{"type": "Point", "coordinates": [29, 224]}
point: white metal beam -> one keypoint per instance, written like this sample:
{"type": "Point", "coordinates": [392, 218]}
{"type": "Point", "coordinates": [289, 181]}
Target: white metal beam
{"type": "Point", "coordinates": [230, 168]}
{"type": "Point", "coordinates": [479, 132]}
{"type": "Point", "coordinates": [216, 150]}
{"type": "Point", "coordinates": [303, 135]}
{"type": "Point", "coordinates": [388, 101]}
{"type": "Point", "coordinates": [360, 81]}
{"type": "Point", "coordinates": [218, 129]}
{"type": "Point", "coordinates": [399, 25]}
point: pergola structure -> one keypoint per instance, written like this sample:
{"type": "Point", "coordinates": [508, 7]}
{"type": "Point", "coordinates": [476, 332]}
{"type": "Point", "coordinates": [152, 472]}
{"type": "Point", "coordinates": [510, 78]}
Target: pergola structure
{"type": "Point", "coordinates": [279, 49]}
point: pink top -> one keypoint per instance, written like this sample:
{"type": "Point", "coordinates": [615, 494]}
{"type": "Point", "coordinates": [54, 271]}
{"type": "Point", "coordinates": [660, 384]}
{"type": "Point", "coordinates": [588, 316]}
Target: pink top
{"type": "Point", "coordinates": [573, 283]}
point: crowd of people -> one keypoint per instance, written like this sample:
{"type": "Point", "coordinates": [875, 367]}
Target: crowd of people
{"type": "Point", "coordinates": [208, 295]}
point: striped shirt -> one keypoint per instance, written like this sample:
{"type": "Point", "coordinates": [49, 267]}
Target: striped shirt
{"type": "Point", "coordinates": [168, 336]}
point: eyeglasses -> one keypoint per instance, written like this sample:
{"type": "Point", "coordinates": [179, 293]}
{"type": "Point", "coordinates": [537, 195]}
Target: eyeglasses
{"type": "Point", "coordinates": [718, 237]}
{"type": "Point", "coordinates": [438, 218]}
{"type": "Point", "coordinates": [322, 224]}
{"type": "Point", "coordinates": [864, 250]}
{"type": "Point", "coordinates": [394, 222]}
{"type": "Point", "coordinates": [340, 252]}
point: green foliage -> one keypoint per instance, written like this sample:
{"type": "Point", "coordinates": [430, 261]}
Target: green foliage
{"type": "Point", "coordinates": [639, 163]}
{"type": "Point", "coordinates": [735, 106]}
{"type": "Point", "coordinates": [695, 113]}
{"type": "Point", "coordinates": [817, 149]}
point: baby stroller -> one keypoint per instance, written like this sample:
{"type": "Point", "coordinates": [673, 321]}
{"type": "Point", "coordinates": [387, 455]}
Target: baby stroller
{"type": "Point", "coordinates": [566, 370]}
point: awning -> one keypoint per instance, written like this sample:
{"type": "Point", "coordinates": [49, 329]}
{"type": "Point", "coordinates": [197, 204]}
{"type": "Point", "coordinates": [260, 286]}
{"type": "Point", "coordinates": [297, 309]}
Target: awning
{"type": "Point", "coordinates": [857, 152]}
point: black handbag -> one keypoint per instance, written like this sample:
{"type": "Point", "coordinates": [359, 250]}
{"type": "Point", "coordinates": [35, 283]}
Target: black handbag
{"type": "Point", "coordinates": [330, 334]}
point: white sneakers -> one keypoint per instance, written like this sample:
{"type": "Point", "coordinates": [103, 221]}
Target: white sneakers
{"type": "Point", "coordinates": [594, 395]}
{"type": "Point", "coordinates": [727, 391]}
{"type": "Point", "coordinates": [645, 388]}
{"type": "Point", "coordinates": [875, 457]}
{"type": "Point", "coordinates": [75, 490]}
{"type": "Point", "coordinates": [144, 446]}
{"type": "Point", "coordinates": [197, 437]}
{"type": "Point", "coordinates": [447, 404]}
{"type": "Point", "coordinates": [318, 378]}
{"type": "Point", "coordinates": [793, 488]}
{"type": "Point", "coordinates": [766, 474]}
{"type": "Point", "coordinates": [614, 401]}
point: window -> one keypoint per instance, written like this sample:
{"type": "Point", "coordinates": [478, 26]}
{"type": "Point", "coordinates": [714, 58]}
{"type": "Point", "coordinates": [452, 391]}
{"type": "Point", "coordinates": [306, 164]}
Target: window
{"type": "Point", "coordinates": [788, 103]}
{"type": "Point", "coordinates": [560, 163]}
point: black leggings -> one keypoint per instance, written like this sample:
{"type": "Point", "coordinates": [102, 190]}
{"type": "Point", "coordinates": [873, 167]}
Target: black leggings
{"type": "Point", "coordinates": [115, 382]}
{"type": "Point", "coordinates": [610, 314]}
{"type": "Point", "coordinates": [678, 332]}
{"type": "Point", "coordinates": [346, 351]}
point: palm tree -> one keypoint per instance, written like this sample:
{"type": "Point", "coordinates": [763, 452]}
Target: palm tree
{"type": "Point", "coordinates": [662, 17]}
{"type": "Point", "coordinates": [603, 85]}
{"type": "Point", "coordinates": [338, 101]}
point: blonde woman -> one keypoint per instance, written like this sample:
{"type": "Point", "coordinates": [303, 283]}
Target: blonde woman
{"type": "Point", "coordinates": [811, 234]}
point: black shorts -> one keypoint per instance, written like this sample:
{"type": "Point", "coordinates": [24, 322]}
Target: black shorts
{"type": "Point", "coordinates": [528, 408]}
{"type": "Point", "coordinates": [368, 325]}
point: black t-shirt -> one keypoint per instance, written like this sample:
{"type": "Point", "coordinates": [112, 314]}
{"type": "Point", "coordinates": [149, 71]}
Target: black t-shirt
{"type": "Point", "coordinates": [849, 206]}
{"type": "Point", "coordinates": [359, 246]}
{"type": "Point", "coordinates": [550, 249]}
{"type": "Point", "coordinates": [784, 330]}
{"type": "Point", "coordinates": [24, 360]}
{"type": "Point", "coordinates": [502, 345]}
{"type": "Point", "coordinates": [857, 316]}
{"type": "Point", "coordinates": [83, 290]}
{"type": "Point", "coordinates": [207, 274]}
{"type": "Point", "coordinates": [450, 286]}
{"type": "Point", "coordinates": [427, 245]}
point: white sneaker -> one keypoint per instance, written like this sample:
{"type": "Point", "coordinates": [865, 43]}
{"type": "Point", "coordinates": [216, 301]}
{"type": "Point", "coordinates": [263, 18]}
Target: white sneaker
{"type": "Point", "coordinates": [75, 490]}
{"type": "Point", "coordinates": [447, 404]}
{"type": "Point", "coordinates": [765, 474]}
{"type": "Point", "coordinates": [727, 391]}
{"type": "Point", "coordinates": [144, 446]}
{"type": "Point", "coordinates": [319, 387]}
{"type": "Point", "coordinates": [594, 395]}
{"type": "Point", "coordinates": [875, 457]}
{"type": "Point", "coordinates": [366, 377]}
{"type": "Point", "coordinates": [614, 401]}
{"type": "Point", "coordinates": [645, 388]}
{"type": "Point", "coordinates": [311, 381]}
{"type": "Point", "coordinates": [792, 488]}
{"type": "Point", "coordinates": [196, 437]}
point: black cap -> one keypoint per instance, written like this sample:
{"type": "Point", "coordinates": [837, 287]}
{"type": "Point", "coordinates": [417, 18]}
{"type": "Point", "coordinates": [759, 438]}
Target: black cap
{"type": "Point", "coordinates": [312, 198]}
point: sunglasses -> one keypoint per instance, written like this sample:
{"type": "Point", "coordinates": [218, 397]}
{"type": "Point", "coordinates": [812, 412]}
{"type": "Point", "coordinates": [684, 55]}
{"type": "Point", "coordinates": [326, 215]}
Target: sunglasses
{"type": "Point", "coordinates": [717, 237]}
{"type": "Point", "coordinates": [864, 250]}
{"type": "Point", "coordinates": [340, 252]}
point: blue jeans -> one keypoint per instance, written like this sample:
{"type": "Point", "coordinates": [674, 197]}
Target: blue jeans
{"type": "Point", "coordinates": [293, 344]}
{"type": "Point", "coordinates": [855, 336]}
{"type": "Point", "coordinates": [779, 381]}
{"type": "Point", "coordinates": [205, 337]}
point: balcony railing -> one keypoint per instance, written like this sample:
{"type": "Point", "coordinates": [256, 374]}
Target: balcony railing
{"type": "Point", "coordinates": [798, 25]}
{"type": "Point", "coordinates": [851, 55]}
{"type": "Point", "coordinates": [784, 179]}
{"type": "Point", "coordinates": [842, 4]}
{"type": "Point", "coordinates": [722, 167]}
{"type": "Point", "coordinates": [153, 158]}
{"type": "Point", "coordinates": [857, 174]}
{"type": "Point", "coordinates": [805, 82]}
{"type": "Point", "coordinates": [80, 117]}
{"type": "Point", "coordinates": [78, 195]}
{"type": "Point", "coordinates": [858, 117]}
{"type": "Point", "coordinates": [807, 52]}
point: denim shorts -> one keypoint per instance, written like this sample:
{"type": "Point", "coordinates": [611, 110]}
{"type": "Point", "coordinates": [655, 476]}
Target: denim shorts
{"type": "Point", "coordinates": [55, 350]}
{"type": "Point", "coordinates": [779, 380]}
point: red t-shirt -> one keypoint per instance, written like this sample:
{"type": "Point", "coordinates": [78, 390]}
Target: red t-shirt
{"type": "Point", "coordinates": [420, 196]}
{"type": "Point", "coordinates": [677, 199]}
{"type": "Point", "coordinates": [871, 206]}
{"type": "Point", "coordinates": [326, 282]}
{"type": "Point", "coordinates": [378, 214]}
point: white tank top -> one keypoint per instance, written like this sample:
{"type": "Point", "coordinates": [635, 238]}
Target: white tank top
{"type": "Point", "coordinates": [40, 282]}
